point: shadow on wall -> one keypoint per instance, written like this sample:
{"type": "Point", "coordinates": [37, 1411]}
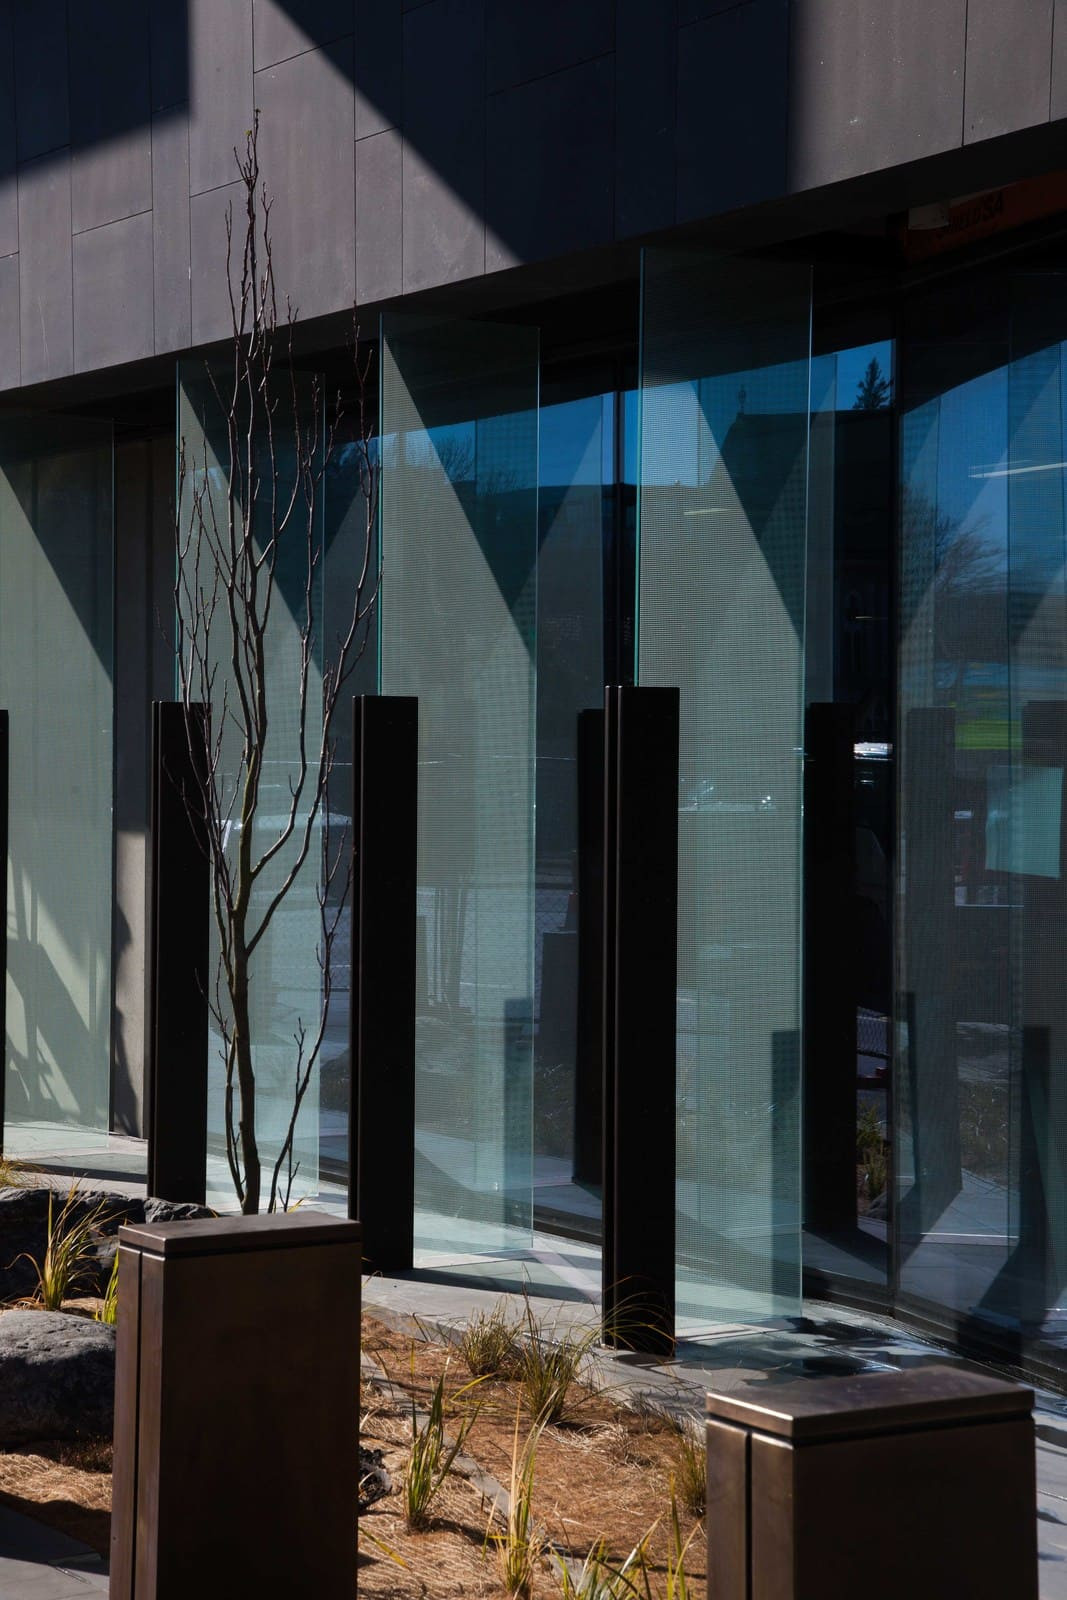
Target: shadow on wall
{"type": "Point", "coordinates": [483, 134]}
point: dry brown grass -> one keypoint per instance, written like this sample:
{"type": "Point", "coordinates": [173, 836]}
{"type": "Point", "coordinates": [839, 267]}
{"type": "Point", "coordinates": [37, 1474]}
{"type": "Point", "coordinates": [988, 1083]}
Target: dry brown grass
{"type": "Point", "coordinates": [604, 1474]}
{"type": "Point", "coordinates": [66, 1485]}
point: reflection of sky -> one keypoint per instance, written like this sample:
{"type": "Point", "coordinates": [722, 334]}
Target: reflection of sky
{"type": "Point", "coordinates": [973, 439]}
{"type": "Point", "coordinates": [575, 445]}
{"type": "Point", "coordinates": [677, 451]}
{"type": "Point", "coordinates": [1000, 463]}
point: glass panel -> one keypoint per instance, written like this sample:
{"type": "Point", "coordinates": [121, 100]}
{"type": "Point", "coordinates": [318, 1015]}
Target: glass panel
{"type": "Point", "coordinates": [56, 536]}
{"type": "Point", "coordinates": [723, 487]}
{"type": "Point", "coordinates": [285, 975]}
{"type": "Point", "coordinates": [345, 550]}
{"type": "Point", "coordinates": [458, 616]}
{"type": "Point", "coordinates": [576, 512]}
{"type": "Point", "coordinates": [847, 662]}
{"type": "Point", "coordinates": [982, 1031]}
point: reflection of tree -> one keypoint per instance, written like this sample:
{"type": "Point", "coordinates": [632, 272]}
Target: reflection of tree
{"type": "Point", "coordinates": [961, 571]}
{"type": "Point", "coordinates": [874, 390]}
{"type": "Point", "coordinates": [964, 560]}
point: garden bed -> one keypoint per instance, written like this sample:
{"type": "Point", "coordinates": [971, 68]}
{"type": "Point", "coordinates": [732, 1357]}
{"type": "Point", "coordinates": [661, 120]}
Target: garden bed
{"type": "Point", "coordinates": [603, 1472]}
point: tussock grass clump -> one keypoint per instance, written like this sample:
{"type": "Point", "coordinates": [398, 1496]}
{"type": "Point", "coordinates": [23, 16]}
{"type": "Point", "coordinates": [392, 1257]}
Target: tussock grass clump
{"type": "Point", "coordinates": [15, 1174]}
{"type": "Point", "coordinates": [70, 1251]}
{"type": "Point", "coordinates": [109, 1311]}
{"type": "Point", "coordinates": [596, 1578]}
{"type": "Point", "coordinates": [636, 1578]}
{"type": "Point", "coordinates": [431, 1455]}
{"type": "Point", "coordinates": [548, 1366]}
{"type": "Point", "coordinates": [489, 1343]}
{"type": "Point", "coordinates": [520, 1544]}
{"type": "Point", "coordinates": [691, 1472]}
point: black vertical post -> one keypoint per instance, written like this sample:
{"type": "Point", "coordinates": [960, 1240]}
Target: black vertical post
{"type": "Point", "coordinates": [381, 1183]}
{"type": "Point", "coordinates": [179, 887]}
{"type": "Point", "coordinates": [589, 1054]}
{"type": "Point", "coordinates": [830, 977]}
{"type": "Point", "coordinates": [4, 816]}
{"type": "Point", "coordinates": [640, 981]}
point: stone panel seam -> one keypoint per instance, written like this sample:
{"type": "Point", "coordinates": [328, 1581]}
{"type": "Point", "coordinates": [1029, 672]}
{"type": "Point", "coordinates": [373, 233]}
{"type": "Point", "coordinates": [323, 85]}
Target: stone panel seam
{"type": "Point", "coordinates": [337, 38]}
{"type": "Point", "coordinates": [14, 256]}
{"type": "Point", "coordinates": [556, 72]}
{"type": "Point", "coordinates": [963, 86]}
{"type": "Point", "coordinates": [195, 194]}
{"type": "Point", "coordinates": [76, 233]}
{"type": "Point", "coordinates": [1052, 60]}
{"type": "Point", "coordinates": [695, 22]}
{"type": "Point", "coordinates": [189, 218]}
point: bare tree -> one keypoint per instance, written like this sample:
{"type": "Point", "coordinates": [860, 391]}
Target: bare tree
{"type": "Point", "coordinates": [248, 518]}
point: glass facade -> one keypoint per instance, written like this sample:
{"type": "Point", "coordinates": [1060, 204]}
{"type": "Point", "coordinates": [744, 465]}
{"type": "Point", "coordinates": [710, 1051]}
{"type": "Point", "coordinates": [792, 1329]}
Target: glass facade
{"type": "Point", "coordinates": [819, 493]}
{"type": "Point", "coordinates": [56, 586]}
{"type": "Point", "coordinates": [981, 1117]}
{"type": "Point", "coordinates": [725, 360]}
{"type": "Point", "coordinates": [457, 628]}
{"type": "Point", "coordinates": [285, 977]}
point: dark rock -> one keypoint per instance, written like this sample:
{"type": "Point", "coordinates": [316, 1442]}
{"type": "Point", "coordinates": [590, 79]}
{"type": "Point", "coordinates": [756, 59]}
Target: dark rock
{"type": "Point", "coordinates": [57, 1377]}
{"type": "Point", "coordinates": [374, 1480]}
{"type": "Point", "coordinates": [174, 1211]}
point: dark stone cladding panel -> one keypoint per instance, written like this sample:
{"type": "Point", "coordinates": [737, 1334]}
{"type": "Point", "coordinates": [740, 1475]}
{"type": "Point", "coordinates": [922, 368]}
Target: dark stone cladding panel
{"type": "Point", "coordinates": [1007, 86]}
{"type": "Point", "coordinates": [220, 89]}
{"type": "Point", "coordinates": [10, 361]}
{"type": "Point", "coordinates": [110, 100]}
{"type": "Point", "coordinates": [379, 217]}
{"type": "Point", "coordinates": [207, 233]}
{"type": "Point", "coordinates": [307, 159]}
{"type": "Point", "coordinates": [9, 209]}
{"type": "Point", "coordinates": [550, 165]}
{"type": "Point", "coordinates": [731, 128]}
{"type": "Point", "coordinates": [524, 41]}
{"type": "Point", "coordinates": [379, 65]}
{"type": "Point", "coordinates": [170, 230]}
{"type": "Point", "coordinates": [169, 46]}
{"type": "Point", "coordinates": [1058, 97]}
{"type": "Point", "coordinates": [113, 319]}
{"type": "Point", "coordinates": [444, 142]}
{"type": "Point", "coordinates": [45, 297]}
{"type": "Point", "coordinates": [646, 73]}
{"type": "Point", "coordinates": [286, 28]}
{"type": "Point", "coordinates": [873, 85]}
{"type": "Point", "coordinates": [41, 100]}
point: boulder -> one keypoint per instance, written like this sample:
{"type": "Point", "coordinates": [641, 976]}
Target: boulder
{"type": "Point", "coordinates": [174, 1211]}
{"type": "Point", "coordinates": [57, 1377]}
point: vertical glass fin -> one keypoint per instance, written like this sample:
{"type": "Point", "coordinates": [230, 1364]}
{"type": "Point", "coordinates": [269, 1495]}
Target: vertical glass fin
{"type": "Point", "coordinates": [721, 551]}
{"type": "Point", "coordinates": [458, 623]}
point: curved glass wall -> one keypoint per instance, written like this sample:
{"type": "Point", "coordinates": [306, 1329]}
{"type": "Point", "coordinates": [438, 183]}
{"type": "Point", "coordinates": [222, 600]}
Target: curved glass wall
{"type": "Point", "coordinates": [725, 360]}
{"type": "Point", "coordinates": [56, 585]}
{"type": "Point", "coordinates": [982, 1025]}
{"type": "Point", "coordinates": [458, 629]}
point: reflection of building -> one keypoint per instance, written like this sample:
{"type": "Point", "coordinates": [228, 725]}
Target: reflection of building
{"type": "Point", "coordinates": [618, 377]}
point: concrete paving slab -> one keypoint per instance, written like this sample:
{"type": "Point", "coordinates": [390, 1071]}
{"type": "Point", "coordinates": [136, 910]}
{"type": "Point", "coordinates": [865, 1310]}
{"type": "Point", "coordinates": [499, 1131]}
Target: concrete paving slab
{"type": "Point", "coordinates": [40, 1563]}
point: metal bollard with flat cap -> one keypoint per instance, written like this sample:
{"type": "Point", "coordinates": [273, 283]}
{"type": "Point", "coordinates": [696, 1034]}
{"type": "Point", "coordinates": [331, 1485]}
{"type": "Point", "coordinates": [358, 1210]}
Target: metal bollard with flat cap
{"type": "Point", "coordinates": [916, 1484]}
